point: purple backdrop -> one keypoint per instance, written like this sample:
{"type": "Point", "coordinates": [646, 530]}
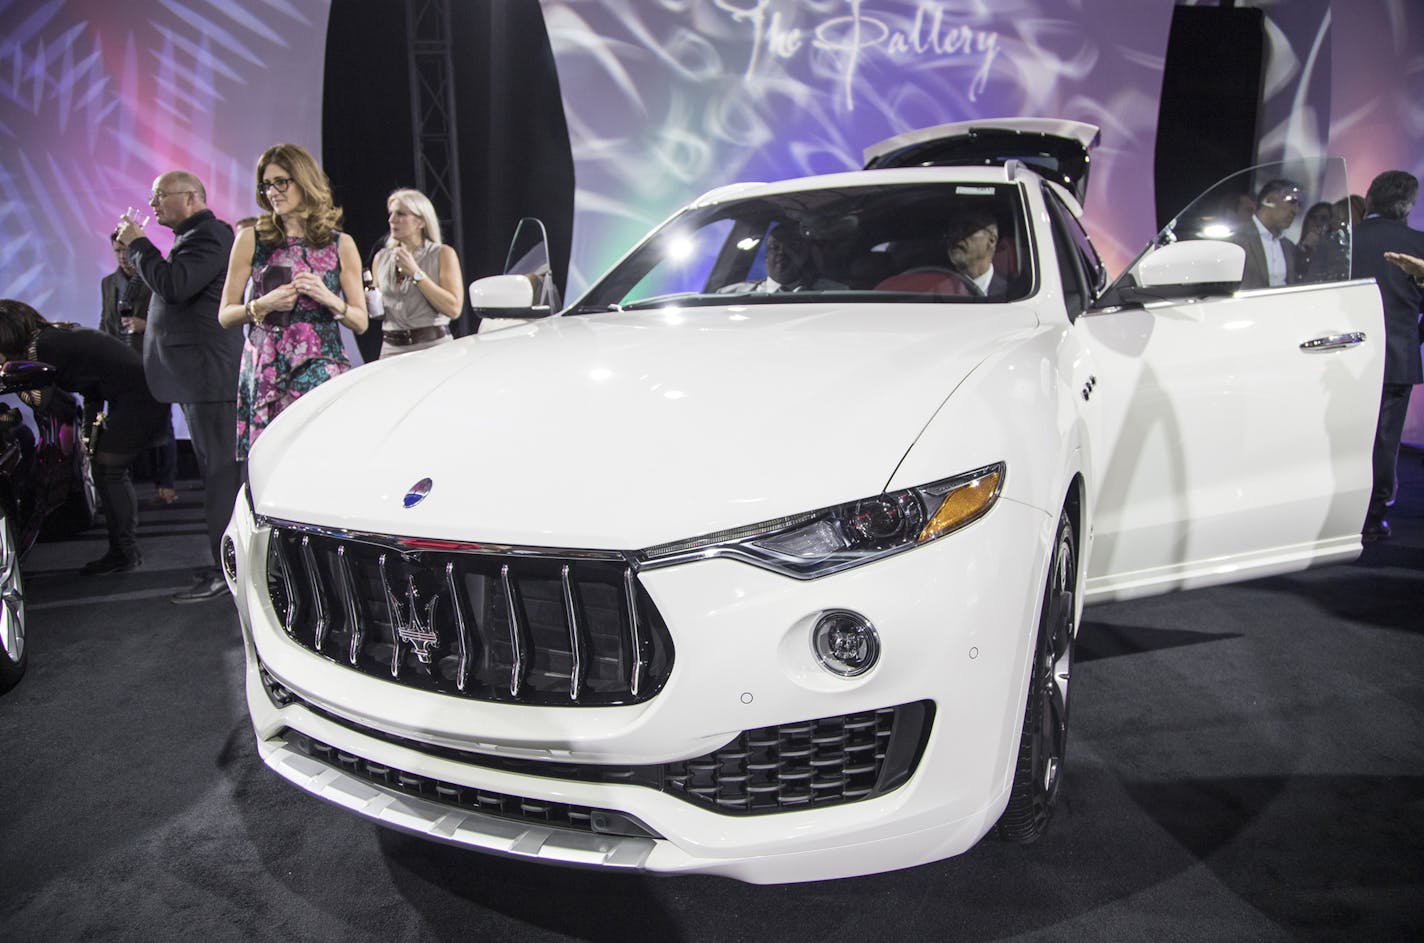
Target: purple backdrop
{"type": "Point", "coordinates": [664, 98]}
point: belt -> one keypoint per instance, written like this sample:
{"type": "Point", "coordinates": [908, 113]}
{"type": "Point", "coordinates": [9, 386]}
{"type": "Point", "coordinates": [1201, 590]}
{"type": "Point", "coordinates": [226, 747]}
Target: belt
{"type": "Point", "coordinates": [279, 319]}
{"type": "Point", "coordinates": [416, 335]}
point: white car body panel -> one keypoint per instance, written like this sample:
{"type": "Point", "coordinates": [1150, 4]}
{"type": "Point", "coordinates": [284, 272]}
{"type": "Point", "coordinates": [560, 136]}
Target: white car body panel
{"type": "Point", "coordinates": [719, 606]}
{"type": "Point", "coordinates": [1190, 442]}
{"type": "Point", "coordinates": [1280, 474]}
{"type": "Point", "coordinates": [659, 392]}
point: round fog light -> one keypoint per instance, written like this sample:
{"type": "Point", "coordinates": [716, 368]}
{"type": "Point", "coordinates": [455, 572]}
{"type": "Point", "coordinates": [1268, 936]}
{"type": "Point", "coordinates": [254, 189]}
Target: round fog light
{"type": "Point", "coordinates": [229, 557]}
{"type": "Point", "coordinates": [845, 643]}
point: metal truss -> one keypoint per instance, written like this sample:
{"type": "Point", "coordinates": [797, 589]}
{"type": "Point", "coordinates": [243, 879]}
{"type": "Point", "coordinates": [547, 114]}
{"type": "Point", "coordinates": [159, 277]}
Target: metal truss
{"type": "Point", "coordinates": [432, 108]}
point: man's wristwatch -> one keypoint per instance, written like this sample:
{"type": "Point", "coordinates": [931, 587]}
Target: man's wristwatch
{"type": "Point", "coordinates": [417, 276]}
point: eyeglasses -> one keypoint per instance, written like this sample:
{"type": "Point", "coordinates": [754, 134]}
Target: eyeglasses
{"type": "Point", "coordinates": [280, 184]}
{"type": "Point", "coordinates": [157, 195]}
{"type": "Point", "coordinates": [1291, 200]}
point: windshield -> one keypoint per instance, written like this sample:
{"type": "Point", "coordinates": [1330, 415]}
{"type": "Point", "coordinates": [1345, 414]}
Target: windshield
{"type": "Point", "coordinates": [1301, 205]}
{"type": "Point", "coordinates": [949, 243]}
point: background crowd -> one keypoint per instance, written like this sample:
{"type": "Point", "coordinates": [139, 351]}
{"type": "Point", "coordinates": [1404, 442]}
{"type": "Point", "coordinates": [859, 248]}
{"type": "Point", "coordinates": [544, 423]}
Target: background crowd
{"type": "Point", "coordinates": [233, 327]}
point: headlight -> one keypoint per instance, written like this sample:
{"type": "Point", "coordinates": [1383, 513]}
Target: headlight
{"type": "Point", "coordinates": [836, 538]}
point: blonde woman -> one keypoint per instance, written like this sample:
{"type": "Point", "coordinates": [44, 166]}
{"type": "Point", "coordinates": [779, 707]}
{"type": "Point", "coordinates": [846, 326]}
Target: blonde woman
{"type": "Point", "coordinates": [306, 283]}
{"type": "Point", "coordinates": [418, 277]}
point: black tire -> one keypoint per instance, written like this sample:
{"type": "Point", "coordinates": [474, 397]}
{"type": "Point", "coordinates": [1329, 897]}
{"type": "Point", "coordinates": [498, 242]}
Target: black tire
{"type": "Point", "coordinates": [14, 652]}
{"type": "Point", "coordinates": [1042, 744]}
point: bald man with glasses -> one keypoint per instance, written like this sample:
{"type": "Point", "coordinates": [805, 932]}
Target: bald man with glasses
{"type": "Point", "coordinates": [188, 357]}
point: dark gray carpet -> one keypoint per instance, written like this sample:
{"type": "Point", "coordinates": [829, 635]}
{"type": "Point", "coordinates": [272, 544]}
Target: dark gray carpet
{"type": "Point", "coordinates": [1247, 764]}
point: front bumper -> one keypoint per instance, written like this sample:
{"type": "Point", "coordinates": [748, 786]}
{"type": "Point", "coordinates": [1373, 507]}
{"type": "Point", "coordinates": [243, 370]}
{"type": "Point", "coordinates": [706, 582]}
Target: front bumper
{"type": "Point", "coordinates": [955, 620]}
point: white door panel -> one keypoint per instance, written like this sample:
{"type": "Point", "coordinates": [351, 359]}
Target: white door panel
{"type": "Point", "coordinates": [1223, 449]}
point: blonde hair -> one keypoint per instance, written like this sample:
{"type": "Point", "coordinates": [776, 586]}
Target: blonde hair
{"type": "Point", "coordinates": [320, 218]}
{"type": "Point", "coordinates": [418, 205]}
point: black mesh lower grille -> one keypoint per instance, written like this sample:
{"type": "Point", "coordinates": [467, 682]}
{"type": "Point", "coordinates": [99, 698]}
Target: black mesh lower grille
{"type": "Point", "coordinates": [810, 764]}
{"type": "Point", "coordinates": [502, 805]}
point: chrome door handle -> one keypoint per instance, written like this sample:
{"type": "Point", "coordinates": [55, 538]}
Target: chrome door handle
{"type": "Point", "coordinates": [1334, 341]}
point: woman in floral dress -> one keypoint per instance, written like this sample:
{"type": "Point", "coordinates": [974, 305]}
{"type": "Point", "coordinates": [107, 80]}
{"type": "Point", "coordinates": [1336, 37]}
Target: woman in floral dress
{"type": "Point", "coordinates": [305, 283]}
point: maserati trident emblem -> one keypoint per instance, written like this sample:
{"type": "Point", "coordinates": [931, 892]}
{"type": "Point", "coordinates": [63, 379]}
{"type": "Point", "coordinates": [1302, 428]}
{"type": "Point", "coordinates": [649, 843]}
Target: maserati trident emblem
{"type": "Point", "coordinates": [406, 621]}
{"type": "Point", "coordinates": [417, 492]}
{"type": "Point", "coordinates": [420, 636]}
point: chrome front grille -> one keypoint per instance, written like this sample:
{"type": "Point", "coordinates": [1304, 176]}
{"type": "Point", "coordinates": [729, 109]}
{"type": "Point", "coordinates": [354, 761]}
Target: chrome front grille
{"type": "Point", "coordinates": [518, 628]}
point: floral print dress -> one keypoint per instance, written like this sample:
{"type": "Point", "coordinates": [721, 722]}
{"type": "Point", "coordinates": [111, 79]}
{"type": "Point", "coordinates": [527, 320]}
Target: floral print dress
{"type": "Point", "coordinates": [281, 362]}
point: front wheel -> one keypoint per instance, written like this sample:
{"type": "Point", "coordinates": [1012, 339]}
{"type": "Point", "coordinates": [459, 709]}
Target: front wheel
{"type": "Point", "coordinates": [1039, 769]}
{"type": "Point", "coordinates": [14, 654]}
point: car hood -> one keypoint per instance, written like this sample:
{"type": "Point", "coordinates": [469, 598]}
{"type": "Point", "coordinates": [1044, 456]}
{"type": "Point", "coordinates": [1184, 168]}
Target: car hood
{"type": "Point", "coordinates": [627, 429]}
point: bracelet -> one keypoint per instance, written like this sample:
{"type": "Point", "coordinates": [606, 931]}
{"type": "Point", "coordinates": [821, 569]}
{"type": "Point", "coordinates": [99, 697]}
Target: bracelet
{"type": "Point", "coordinates": [250, 312]}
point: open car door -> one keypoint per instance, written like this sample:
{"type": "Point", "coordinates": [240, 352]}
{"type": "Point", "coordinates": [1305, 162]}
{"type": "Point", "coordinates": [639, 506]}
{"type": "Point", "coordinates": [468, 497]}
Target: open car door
{"type": "Point", "coordinates": [1232, 427]}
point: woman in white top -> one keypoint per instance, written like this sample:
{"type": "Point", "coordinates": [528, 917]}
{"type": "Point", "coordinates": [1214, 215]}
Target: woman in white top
{"type": "Point", "coordinates": [418, 277]}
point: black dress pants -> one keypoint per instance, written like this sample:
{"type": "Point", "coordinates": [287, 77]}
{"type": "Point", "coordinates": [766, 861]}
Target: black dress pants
{"type": "Point", "coordinates": [1394, 403]}
{"type": "Point", "coordinates": [213, 428]}
{"type": "Point", "coordinates": [116, 495]}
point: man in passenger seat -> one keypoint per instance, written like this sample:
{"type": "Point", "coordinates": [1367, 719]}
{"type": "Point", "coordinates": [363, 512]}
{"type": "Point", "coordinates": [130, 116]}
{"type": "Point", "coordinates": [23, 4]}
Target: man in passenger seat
{"type": "Point", "coordinates": [973, 237]}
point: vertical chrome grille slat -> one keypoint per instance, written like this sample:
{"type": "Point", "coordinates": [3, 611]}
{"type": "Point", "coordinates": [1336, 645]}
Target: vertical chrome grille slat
{"type": "Point", "coordinates": [284, 566]}
{"type": "Point", "coordinates": [516, 640]}
{"type": "Point", "coordinates": [393, 615]}
{"type": "Point", "coordinates": [346, 585]}
{"type": "Point", "coordinates": [462, 630]}
{"type": "Point", "coordinates": [576, 652]}
{"type": "Point", "coordinates": [635, 641]}
{"type": "Point", "coordinates": [320, 621]}
{"type": "Point", "coordinates": [569, 631]}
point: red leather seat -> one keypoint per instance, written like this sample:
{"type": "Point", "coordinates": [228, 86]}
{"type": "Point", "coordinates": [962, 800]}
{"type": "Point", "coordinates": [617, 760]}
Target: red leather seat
{"type": "Point", "coordinates": [926, 281]}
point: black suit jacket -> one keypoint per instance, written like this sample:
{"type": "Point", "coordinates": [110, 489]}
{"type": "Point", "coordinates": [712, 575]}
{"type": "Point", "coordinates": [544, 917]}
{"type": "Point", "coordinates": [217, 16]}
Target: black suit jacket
{"type": "Point", "coordinates": [1403, 299]}
{"type": "Point", "coordinates": [187, 355]}
{"type": "Point", "coordinates": [138, 297]}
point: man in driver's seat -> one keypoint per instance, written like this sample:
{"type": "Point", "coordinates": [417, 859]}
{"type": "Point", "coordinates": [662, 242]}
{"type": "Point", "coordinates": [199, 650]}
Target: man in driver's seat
{"type": "Point", "coordinates": [789, 265]}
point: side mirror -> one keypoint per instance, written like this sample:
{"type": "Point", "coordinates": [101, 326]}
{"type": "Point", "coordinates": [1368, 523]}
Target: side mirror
{"type": "Point", "coordinates": [1193, 262]}
{"type": "Point", "coordinates": [17, 376]}
{"type": "Point", "coordinates": [503, 300]}
{"type": "Point", "coordinates": [1192, 268]}
{"type": "Point", "coordinates": [505, 296]}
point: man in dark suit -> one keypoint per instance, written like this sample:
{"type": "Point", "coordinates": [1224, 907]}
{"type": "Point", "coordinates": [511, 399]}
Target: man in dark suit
{"type": "Point", "coordinates": [188, 357]}
{"type": "Point", "coordinates": [1387, 203]}
{"type": "Point", "coordinates": [1270, 256]}
{"type": "Point", "coordinates": [124, 301]}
